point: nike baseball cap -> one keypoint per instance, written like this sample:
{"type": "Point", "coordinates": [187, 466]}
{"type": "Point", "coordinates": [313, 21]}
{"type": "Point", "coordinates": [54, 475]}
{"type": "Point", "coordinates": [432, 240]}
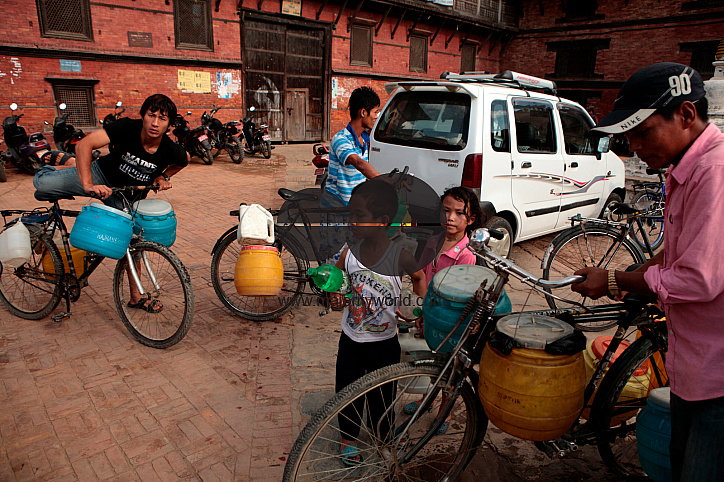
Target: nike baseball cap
{"type": "Point", "coordinates": [666, 84]}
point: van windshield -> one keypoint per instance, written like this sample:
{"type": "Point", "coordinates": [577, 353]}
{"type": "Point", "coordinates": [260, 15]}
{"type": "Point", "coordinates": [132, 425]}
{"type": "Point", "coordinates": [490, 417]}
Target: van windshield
{"type": "Point", "coordinates": [432, 120]}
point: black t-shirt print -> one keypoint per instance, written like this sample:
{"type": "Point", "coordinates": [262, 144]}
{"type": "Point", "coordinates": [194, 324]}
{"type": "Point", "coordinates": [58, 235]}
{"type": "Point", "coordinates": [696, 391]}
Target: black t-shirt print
{"type": "Point", "coordinates": [128, 163]}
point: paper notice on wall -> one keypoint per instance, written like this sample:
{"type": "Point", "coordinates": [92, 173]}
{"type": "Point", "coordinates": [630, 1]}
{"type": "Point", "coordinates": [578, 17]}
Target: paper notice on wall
{"type": "Point", "coordinates": [228, 84]}
{"type": "Point", "coordinates": [334, 93]}
{"type": "Point", "coordinates": [202, 82]}
{"type": "Point", "coordinates": [186, 80]}
{"type": "Point", "coordinates": [292, 7]}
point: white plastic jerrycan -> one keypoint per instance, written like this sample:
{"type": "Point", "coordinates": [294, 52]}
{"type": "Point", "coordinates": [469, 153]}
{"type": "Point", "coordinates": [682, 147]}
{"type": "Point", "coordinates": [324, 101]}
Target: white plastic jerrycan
{"type": "Point", "coordinates": [15, 247]}
{"type": "Point", "coordinates": [256, 225]}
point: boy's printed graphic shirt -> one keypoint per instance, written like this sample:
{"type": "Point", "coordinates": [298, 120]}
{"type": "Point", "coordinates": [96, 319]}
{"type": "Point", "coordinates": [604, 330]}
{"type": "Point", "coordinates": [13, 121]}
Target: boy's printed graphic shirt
{"type": "Point", "coordinates": [370, 313]}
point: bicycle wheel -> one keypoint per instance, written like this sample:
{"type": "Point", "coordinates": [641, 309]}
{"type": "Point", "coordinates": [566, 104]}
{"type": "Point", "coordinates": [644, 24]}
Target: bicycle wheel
{"type": "Point", "coordinates": [233, 147]}
{"type": "Point", "coordinates": [653, 222]}
{"type": "Point", "coordinates": [578, 248]}
{"type": "Point", "coordinates": [256, 308]}
{"type": "Point", "coordinates": [418, 455]}
{"type": "Point", "coordinates": [166, 282]}
{"type": "Point", "coordinates": [32, 291]}
{"type": "Point", "coordinates": [621, 395]}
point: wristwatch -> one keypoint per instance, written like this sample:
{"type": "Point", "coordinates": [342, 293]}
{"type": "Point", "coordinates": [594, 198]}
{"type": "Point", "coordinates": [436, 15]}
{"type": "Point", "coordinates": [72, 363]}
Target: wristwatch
{"type": "Point", "coordinates": [165, 176]}
{"type": "Point", "coordinates": [612, 285]}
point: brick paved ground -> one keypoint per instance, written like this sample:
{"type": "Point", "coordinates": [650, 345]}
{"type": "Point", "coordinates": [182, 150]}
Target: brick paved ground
{"type": "Point", "coordinates": [82, 400]}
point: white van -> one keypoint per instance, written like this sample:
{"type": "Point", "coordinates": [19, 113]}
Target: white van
{"type": "Point", "coordinates": [530, 156]}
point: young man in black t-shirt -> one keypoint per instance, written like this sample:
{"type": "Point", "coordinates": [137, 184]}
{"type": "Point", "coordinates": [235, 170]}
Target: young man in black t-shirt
{"type": "Point", "coordinates": [141, 154]}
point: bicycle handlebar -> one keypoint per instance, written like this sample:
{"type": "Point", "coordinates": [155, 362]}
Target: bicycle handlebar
{"type": "Point", "coordinates": [479, 245]}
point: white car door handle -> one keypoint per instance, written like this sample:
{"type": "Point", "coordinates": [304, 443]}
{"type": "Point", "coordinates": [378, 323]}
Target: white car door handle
{"type": "Point", "coordinates": [526, 165]}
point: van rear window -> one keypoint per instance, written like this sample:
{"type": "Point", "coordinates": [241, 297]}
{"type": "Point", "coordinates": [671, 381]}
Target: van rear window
{"type": "Point", "coordinates": [432, 120]}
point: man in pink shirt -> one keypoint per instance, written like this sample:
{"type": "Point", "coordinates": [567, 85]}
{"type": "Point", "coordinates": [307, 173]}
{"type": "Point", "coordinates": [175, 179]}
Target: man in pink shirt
{"type": "Point", "coordinates": [663, 111]}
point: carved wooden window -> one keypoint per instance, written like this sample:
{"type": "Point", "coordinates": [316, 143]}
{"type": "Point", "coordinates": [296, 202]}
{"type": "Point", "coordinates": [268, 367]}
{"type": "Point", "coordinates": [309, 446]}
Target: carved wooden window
{"type": "Point", "coordinates": [360, 45]}
{"type": "Point", "coordinates": [418, 53]}
{"type": "Point", "coordinates": [192, 21]}
{"type": "Point", "coordinates": [702, 56]}
{"type": "Point", "coordinates": [68, 19]}
{"type": "Point", "coordinates": [79, 98]}
{"type": "Point", "coordinates": [467, 58]}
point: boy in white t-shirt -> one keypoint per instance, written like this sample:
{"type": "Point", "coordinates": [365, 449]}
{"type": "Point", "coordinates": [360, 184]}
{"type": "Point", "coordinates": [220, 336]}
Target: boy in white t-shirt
{"type": "Point", "coordinates": [369, 341]}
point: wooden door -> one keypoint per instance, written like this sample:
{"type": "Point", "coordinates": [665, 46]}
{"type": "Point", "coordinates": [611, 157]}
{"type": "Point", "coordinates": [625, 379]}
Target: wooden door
{"type": "Point", "coordinates": [295, 118]}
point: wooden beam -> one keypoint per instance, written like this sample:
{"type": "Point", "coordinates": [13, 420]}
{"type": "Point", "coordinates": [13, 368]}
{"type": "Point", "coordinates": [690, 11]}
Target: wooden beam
{"type": "Point", "coordinates": [480, 47]}
{"type": "Point", "coordinates": [218, 2]}
{"type": "Point", "coordinates": [466, 37]}
{"type": "Point", "coordinates": [238, 5]}
{"type": "Point", "coordinates": [449, 39]}
{"type": "Point", "coordinates": [339, 15]}
{"type": "Point", "coordinates": [507, 40]}
{"type": "Point", "coordinates": [398, 23]}
{"type": "Point", "coordinates": [495, 44]}
{"type": "Point", "coordinates": [540, 6]}
{"type": "Point", "coordinates": [384, 17]}
{"type": "Point", "coordinates": [319, 12]}
{"type": "Point", "coordinates": [439, 27]}
{"type": "Point", "coordinates": [411, 29]}
{"type": "Point", "coordinates": [258, 6]}
{"type": "Point", "coordinates": [354, 15]}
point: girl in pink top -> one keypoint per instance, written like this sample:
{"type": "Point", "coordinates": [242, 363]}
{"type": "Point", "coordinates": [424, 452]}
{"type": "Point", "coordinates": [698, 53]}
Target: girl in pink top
{"type": "Point", "coordinates": [462, 216]}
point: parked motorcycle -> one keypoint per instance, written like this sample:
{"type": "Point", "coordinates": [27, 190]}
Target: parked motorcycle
{"type": "Point", "coordinates": [25, 152]}
{"type": "Point", "coordinates": [321, 162]}
{"type": "Point", "coordinates": [194, 141]}
{"type": "Point", "coordinates": [117, 111]}
{"type": "Point", "coordinates": [255, 139]}
{"type": "Point", "coordinates": [222, 136]}
{"type": "Point", "coordinates": [65, 135]}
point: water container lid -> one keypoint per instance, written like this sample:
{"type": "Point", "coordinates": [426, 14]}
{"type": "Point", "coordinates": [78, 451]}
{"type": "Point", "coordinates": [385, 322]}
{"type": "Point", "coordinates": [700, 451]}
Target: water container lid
{"type": "Point", "coordinates": [459, 282]}
{"type": "Point", "coordinates": [533, 331]}
{"type": "Point", "coordinates": [152, 207]}
{"type": "Point", "coordinates": [110, 209]}
{"type": "Point", "coordinates": [266, 248]}
{"type": "Point", "coordinates": [661, 397]}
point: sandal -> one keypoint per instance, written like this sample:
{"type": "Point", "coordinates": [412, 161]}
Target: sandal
{"type": "Point", "coordinates": [351, 455]}
{"type": "Point", "coordinates": [412, 407]}
{"type": "Point", "coordinates": [153, 306]}
{"type": "Point", "coordinates": [443, 428]}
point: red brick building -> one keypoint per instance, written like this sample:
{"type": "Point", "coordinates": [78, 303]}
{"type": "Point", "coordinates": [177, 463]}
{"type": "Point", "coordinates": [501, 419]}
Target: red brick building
{"type": "Point", "coordinates": [295, 61]}
{"type": "Point", "coordinates": [589, 48]}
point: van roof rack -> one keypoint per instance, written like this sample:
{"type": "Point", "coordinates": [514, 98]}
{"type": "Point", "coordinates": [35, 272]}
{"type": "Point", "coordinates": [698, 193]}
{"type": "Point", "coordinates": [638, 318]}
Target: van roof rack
{"type": "Point", "coordinates": [519, 80]}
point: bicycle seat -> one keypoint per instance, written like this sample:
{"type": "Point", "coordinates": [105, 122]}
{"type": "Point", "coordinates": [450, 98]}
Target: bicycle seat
{"type": "Point", "coordinates": [40, 196]}
{"type": "Point", "coordinates": [289, 195]}
{"type": "Point", "coordinates": [652, 172]}
{"type": "Point", "coordinates": [622, 208]}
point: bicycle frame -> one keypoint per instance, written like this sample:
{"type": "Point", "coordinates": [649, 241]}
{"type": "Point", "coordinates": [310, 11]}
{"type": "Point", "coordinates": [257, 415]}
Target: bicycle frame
{"type": "Point", "coordinates": [626, 228]}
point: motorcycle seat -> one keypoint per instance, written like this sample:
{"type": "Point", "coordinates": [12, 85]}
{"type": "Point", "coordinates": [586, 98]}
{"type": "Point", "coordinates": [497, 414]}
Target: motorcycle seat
{"type": "Point", "coordinates": [41, 196]}
{"type": "Point", "coordinates": [289, 195]}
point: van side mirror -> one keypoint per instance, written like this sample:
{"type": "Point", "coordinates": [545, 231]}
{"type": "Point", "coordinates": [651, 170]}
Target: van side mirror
{"type": "Point", "coordinates": [603, 146]}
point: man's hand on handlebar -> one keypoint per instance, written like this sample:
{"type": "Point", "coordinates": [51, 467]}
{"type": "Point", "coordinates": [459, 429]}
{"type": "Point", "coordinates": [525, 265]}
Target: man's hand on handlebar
{"type": "Point", "coordinates": [100, 191]}
{"type": "Point", "coordinates": [595, 285]}
{"type": "Point", "coordinates": [162, 183]}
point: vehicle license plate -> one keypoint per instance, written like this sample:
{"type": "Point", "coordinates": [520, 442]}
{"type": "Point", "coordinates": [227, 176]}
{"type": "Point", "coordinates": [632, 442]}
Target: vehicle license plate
{"type": "Point", "coordinates": [203, 137]}
{"type": "Point", "coordinates": [266, 137]}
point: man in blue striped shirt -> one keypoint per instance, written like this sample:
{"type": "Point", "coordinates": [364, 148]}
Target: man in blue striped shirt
{"type": "Point", "coordinates": [349, 154]}
{"type": "Point", "coordinates": [348, 167]}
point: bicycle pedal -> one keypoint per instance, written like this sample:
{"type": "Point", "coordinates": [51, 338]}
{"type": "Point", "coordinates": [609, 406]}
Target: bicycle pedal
{"type": "Point", "coordinates": [62, 316]}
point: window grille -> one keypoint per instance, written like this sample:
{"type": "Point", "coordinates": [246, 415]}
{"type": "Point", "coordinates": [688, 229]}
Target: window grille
{"type": "Point", "coordinates": [702, 56]}
{"type": "Point", "coordinates": [80, 102]}
{"type": "Point", "coordinates": [360, 45]}
{"type": "Point", "coordinates": [467, 58]}
{"type": "Point", "coordinates": [192, 20]}
{"type": "Point", "coordinates": [577, 59]}
{"type": "Point", "coordinates": [69, 19]}
{"type": "Point", "coordinates": [418, 53]}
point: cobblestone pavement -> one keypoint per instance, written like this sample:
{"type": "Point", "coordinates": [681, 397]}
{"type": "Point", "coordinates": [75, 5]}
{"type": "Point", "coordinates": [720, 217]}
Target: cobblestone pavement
{"type": "Point", "coordinates": [82, 400]}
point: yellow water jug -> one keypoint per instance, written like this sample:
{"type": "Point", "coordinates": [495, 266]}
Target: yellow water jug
{"type": "Point", "coordinates": [259, 271]}
{"type": "Point", "coordinates": [76, 255]}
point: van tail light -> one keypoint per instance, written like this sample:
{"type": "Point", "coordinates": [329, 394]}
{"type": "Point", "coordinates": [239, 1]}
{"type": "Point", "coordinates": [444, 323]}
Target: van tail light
{"type": "Point", "coordinates": [473, 172]}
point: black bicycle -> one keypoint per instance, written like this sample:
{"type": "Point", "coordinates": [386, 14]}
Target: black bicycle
{"type": "Point", "coordinates": [413, 450]}
{"type": "Point", "coordinates": [651, 195]}
{"type": "Point", "coordinates": [34, 289]}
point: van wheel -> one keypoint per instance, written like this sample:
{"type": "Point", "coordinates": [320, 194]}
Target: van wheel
{"type": "Point", "coordinates": [606, 213]}
{"type": "Point", "coordinates": [501, 247]}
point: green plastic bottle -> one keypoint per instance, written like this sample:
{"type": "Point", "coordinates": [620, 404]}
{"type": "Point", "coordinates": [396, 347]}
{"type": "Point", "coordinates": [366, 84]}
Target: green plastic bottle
{"type": "Point", "coordinates": [329, 278]}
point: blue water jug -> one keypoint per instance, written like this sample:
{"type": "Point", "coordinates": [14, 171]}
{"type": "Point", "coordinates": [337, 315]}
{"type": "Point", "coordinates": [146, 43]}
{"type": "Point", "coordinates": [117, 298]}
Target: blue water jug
{"type": "Point", "coordinates": [653, 435]}
{"type": "Point", "coordinates": [155, 221]}
{"type": "Point", "coordinates": [102, 230]}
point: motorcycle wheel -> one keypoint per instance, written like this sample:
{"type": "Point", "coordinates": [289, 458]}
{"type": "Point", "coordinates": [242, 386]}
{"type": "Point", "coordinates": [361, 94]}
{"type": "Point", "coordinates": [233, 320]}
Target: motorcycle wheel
{"type": "Point", "coordinates": [34, 163]}
{"type": "Point", "coordinates": [245, 146]}
{"type": "Point", "coordinates": [205, 155]}
{"type": "Point", "coordinates": [266, 149]}
{"type": "Point", "coordinates": [3, 176]}
{"type": "Point", "coordinates": [236, 153]}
